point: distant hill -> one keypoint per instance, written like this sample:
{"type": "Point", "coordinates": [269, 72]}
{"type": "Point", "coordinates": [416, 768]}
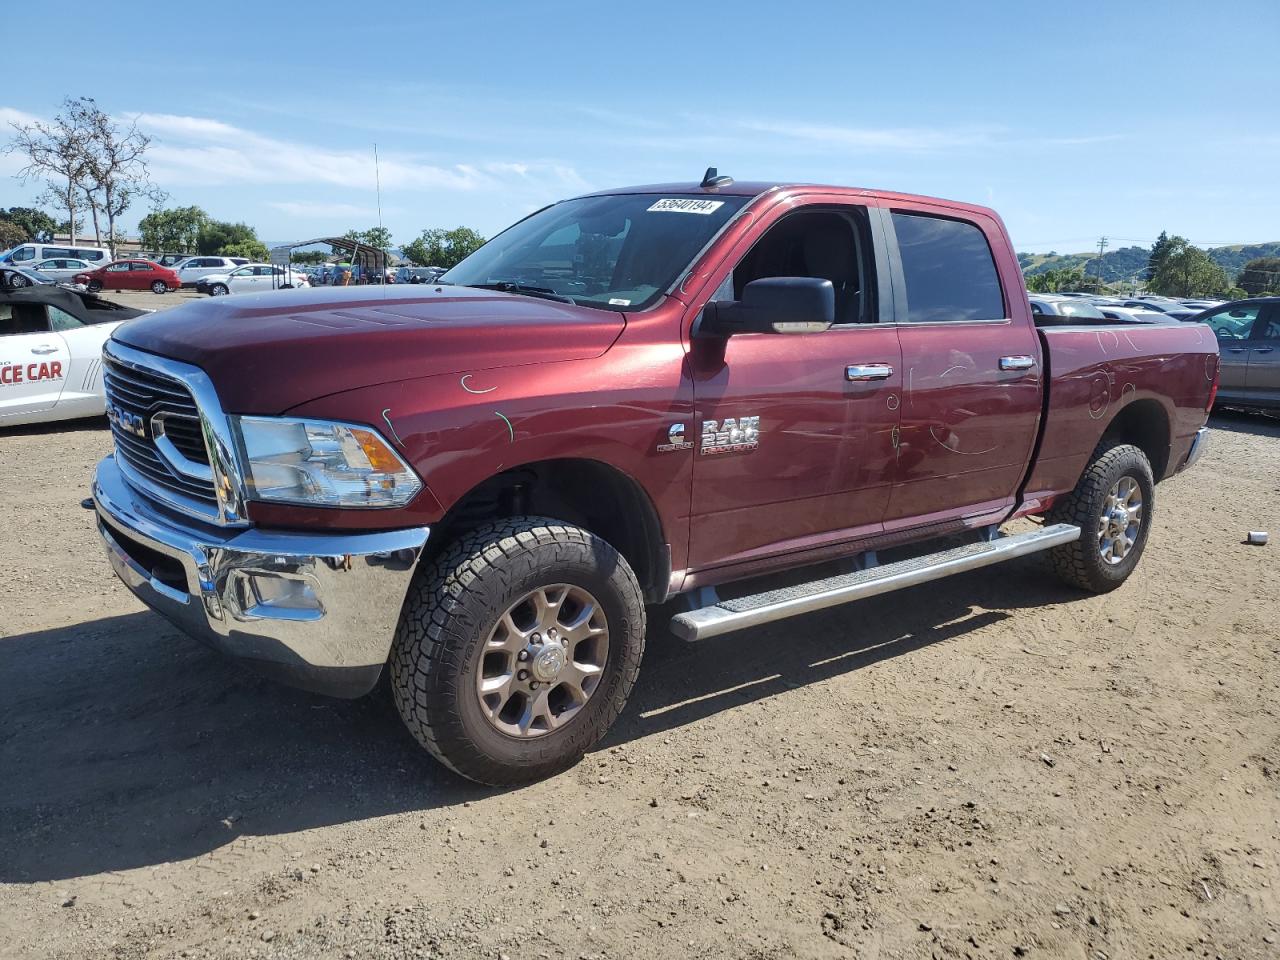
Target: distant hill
{"type": "Point", "coordinates": [1127, 263]}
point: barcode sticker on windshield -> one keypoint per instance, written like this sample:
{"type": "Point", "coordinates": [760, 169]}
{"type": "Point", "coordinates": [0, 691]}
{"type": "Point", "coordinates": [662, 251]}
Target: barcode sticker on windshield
{"type": "Point", "coordinates": [682, 205]}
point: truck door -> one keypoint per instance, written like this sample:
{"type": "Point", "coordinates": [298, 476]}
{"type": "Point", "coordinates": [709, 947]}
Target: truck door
{"type": "Point", "coordinates": [793, 435]}
{"type": "Point", "coordinates": [1262, 382]}
{"type": "Point", "coordinates": [971, 367]}
{"type": "Point", "coordinates": [34, 360]}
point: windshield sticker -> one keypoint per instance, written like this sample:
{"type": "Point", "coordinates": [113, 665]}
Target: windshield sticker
{"type": "Point", "coordinates": [679, 205]}
{"type": "Point", "coordinates": [619, 302]}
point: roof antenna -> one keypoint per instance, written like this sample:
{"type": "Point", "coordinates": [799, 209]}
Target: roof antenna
{"type": "Point", "coordinates": [712, 179]}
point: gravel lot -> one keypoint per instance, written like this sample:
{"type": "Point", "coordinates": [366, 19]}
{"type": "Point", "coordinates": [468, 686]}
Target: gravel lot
{"type": "Point", "coordinates": [989, 766]}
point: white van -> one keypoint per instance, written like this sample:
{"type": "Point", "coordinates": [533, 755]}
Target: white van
{"type": "Point", "coordinates": [29, 254]}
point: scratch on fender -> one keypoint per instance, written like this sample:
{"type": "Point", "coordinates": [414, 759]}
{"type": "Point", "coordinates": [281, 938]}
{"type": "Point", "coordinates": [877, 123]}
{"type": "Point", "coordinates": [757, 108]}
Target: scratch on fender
{"type": "Point", "coordinates": [463, 383]}
{"type": "Point", "coordinates": [510, 429]}
{"type": "Point", "coordinates": [950, 370]}
{"type": "Point", "coordinates": [386, 415]}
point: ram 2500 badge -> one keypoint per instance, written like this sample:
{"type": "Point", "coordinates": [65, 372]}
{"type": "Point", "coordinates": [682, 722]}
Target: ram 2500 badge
{"type": "Point", "coordinates": [481, 486]}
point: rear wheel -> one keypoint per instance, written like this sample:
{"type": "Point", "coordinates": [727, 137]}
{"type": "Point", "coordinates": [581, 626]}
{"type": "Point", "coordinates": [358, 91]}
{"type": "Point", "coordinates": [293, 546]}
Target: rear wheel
{"type": "Point", "coordinates": [159, 287]}
{"type": "Point", "coordinates": [218, 290]}
{"type": "Point", "coordinates": [517, 649]}
{"type": "Point", "coordinates": [1112, 506]}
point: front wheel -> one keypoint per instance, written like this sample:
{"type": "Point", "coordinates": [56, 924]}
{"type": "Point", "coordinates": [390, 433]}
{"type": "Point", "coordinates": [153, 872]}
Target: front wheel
{"type": "Point", "coordinates": [94, 286]}
{"type": "Point", "coordinates": [517, 649]}
{"type": "Point", "coordinates": [1112, 506]}
{"type": "Point", "coordinates": [159, 287]}
{"type": "Point", "coordinates": [218, 290]}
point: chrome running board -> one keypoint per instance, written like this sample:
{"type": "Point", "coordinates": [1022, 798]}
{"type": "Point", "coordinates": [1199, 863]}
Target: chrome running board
{"type": "Point", "coordinates": [729, 615]}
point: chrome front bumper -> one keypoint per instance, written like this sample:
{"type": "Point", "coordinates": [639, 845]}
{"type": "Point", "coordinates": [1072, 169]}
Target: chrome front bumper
{"type": "Point", "coordinates": [317, 610]}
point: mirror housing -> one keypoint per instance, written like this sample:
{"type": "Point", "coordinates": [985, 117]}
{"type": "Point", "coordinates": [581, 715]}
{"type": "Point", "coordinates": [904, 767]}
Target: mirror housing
{"type": "Point", "coordinates": [772, 305]}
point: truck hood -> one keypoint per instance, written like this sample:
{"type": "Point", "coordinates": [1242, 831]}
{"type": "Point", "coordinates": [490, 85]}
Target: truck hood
{"type": "Point", "coordinates": [268, 352]}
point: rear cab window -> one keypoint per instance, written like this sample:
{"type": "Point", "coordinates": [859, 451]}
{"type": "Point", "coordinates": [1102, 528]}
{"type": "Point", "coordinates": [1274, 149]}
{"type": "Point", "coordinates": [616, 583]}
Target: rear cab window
{"type": "Point", "coordinates": [948, 269]}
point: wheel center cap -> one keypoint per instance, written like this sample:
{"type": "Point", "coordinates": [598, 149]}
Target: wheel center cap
{"type": "Point", "coordinates": [548, 662]}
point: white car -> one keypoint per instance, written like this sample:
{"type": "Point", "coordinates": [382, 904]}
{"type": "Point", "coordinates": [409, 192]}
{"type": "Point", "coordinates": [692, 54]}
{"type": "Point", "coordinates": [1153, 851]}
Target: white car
{"type": "Point", "coordinates": [194, 269]}
{"type": "Point", "coordinates": [251, 278]}
{"type": "Point", "coordinates": [51, 342]}
{"type": "Point", "coordinates": [64, 268]}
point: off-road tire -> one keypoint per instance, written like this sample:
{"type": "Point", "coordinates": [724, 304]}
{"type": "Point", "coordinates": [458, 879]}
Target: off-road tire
{"type": "Point", "coordinates": [1081, 563]}
{"type": "Point", "coordinates": [451, 608]}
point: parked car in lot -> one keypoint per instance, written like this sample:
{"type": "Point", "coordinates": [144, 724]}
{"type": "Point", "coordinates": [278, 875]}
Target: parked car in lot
{"type": "Point", "coordinates": [64, 268]}
{"type": "Point", "coordinates": [15, 277]}
{"type": "Point", "coordinates": [130, 275]}
{"type": "Point", "coordinates": [194, 269]}
{"type": "Point", "coordinates": [1164, 305]}
{"type": "Point", "coordinates": [480, 484]}
{"type": "Point", "coordinates": [1049, 308]}
{"type": "Point", "coordinates": [1134, 315]}
{"type": "Point", "coordinates": [1248, 333]}
{"type": "Point", "coordinates": [28, 254]}
{"type": "Point", "coordinates": [251, 278]}
{"type": "Point", "coordinates": [418, 274]}
{"type": "Point", "coordinates": [51, 353]}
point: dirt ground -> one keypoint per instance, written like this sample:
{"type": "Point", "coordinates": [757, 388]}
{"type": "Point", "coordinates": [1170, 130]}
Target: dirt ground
{"type": "Point", "coordinates": [991, 766]}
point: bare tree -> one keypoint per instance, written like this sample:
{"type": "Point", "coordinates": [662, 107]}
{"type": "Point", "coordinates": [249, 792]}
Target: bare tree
{"type": "Point", "coordinates": [117, 171]}
{"type": "Point", "coordinates": [57, 152]}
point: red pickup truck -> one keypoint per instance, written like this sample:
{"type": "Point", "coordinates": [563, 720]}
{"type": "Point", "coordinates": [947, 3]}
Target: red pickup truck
{"type": "Point", "coordinates": [660, 395]}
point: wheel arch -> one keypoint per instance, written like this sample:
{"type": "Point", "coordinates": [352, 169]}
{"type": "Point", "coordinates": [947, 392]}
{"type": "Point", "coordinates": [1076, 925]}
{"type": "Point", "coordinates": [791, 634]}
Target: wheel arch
{"type": "Point", "coordinates": [588, 493]}
{"type": "Point", "coordinates": [1145, 424]}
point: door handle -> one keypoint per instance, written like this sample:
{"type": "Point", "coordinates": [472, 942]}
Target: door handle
{"type": "Point", "coordinates": [1235, 349]}
{"type": "Point", "coordinates": [861, 372]}
{"type": "Point", "coordinates": [1263, 349]}
{"type": "Point", "coordinates": [43, 349]}
{"type": "Point", "coordinates": [1017, 363]}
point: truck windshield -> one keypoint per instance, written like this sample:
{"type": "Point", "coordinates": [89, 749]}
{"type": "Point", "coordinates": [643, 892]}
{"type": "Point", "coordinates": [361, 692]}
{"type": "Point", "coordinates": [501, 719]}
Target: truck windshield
{"type": "Point", "coordinates": [619, 252]}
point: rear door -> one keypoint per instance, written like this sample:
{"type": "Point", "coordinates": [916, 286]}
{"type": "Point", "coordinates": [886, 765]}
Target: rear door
{"type": "Point", "coordinates": [970, 360]}
{"type": "Point", "coordinates": [1233, 326]}
{"type": "Point", "coordinates": [34, 360]}
{"type": "Point", "coordinates": [1262, 383]}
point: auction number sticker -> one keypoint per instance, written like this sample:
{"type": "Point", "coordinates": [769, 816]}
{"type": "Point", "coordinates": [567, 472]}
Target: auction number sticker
{"type": "Point", "coordinates": [684, 205]}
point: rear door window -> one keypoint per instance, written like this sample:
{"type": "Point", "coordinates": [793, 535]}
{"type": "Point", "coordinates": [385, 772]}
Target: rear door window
{"type": "Point", "coordinates": [948, 270]}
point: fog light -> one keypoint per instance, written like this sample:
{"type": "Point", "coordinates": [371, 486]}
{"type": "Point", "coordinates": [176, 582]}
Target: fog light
{"type": "Point", "coordinates": [270, 596]}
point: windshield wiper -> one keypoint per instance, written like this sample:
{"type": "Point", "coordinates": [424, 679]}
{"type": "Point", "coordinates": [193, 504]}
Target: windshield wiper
{"type": "Point", "coordinates": [510, 286]}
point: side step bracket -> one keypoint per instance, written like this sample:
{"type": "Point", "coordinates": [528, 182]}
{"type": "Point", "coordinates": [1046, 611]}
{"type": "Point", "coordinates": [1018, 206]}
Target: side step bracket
{"type": "Point", "coordinates": [729, 615]}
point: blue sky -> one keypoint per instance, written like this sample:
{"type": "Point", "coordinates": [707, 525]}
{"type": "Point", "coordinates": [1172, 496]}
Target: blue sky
{"type": "Point", "coordinates": [1072, 120]}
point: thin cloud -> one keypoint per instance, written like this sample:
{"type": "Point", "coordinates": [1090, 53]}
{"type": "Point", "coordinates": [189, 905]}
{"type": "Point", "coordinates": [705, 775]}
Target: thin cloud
{"type": "Point", "coordinates": [203, 151]}
{"type": "Point", "coordinates": [304, 210]}
{"type": "Point", "coordinates": [872, 139]}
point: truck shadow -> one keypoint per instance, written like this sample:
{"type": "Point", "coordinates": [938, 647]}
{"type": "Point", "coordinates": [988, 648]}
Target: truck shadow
{"type": "Point", "coordinates": [124, 744]}
{"type": "Point", "coordinates": [1238, 421]}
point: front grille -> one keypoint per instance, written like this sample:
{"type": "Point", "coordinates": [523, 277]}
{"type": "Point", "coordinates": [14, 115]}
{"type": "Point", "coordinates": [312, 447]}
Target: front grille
{"type": "Point", "coordinates": [140, 393]}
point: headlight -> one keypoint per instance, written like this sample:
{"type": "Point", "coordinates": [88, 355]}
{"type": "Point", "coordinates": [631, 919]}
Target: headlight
{"type": "Point", "coordinates": [322, 463]}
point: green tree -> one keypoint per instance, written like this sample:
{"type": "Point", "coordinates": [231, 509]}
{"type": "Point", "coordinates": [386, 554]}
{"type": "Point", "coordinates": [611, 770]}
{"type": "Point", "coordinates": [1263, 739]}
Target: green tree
{"type": "Point", "coordinates": [252, 249]}
{"type": "Point", "coordinates": [1185, 270]}
{"type": "Point", "coordinates": [311, 257]}
{"type": "Point", "coordinates": [377, 237]}
{"type": "Point", "coordinates": [216, 235]}
{"type": "Point", "coordinates": [37, 224]}
{"type": "Point", "coordinates": [443, 248]}
{"type": "Point", "coordinates": [175, 230]}
{"type": "Point", "coordinates": [1158, 251]}
{"type": "Point", "coordinates": [12, 234]}
{"type": "Point", "coordinates": [1066, 278]}
{"type": "Point", "coordinates": [1259, 274]}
